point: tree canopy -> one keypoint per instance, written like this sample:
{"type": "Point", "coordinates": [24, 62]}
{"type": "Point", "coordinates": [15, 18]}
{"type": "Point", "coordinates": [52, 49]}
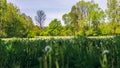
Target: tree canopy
{"type": "Point", "coordinates": [84, 18]}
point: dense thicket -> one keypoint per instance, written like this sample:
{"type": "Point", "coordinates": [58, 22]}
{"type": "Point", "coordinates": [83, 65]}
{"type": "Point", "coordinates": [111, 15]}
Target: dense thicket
{"type": "Point", "coordinates": [76, 52]}
{"type": "Point", "coordinates": [85, 18]}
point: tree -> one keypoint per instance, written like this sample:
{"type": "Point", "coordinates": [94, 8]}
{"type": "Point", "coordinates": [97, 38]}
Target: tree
{"type": "Point", "coordinates": [66, 31]}
{"type": "Point", "coordinates": [55, 27]}
{"type": "Point", "coordinates": [95, 17]}
{"type": "Point", "coordinates": [105, 28]}
{"type": "Point", "coordinates": [112, 10]}
{"type": "Point", "coordinates": [17, 24]}
{"type": "Point", "coordinates": [84, 16]}
{"type": "Point", "coordinates": [12, 22]}
{"type": "Point", "coordinates": [3, 10]}
{"type": "Point", "coordinates": [67, 19]}
{"type": "Point", "coordinates": [40, 18]}
{"type": "Point", "coordinates": [113, 14]}
{"type": "Point", "coordinates": [70, 21]}
{"type": "Point", "coordinates": [82, 12]}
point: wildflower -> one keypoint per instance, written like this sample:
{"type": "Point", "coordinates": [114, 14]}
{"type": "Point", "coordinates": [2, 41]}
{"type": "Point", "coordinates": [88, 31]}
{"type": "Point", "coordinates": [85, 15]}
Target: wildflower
{"type": "Point", "coordinates": [105, 51]}
{"type": "Point", "coordinates": [101, 43]}
{"type": "Point", "coordinates": [98, 47]}
{"type": "Point", "coordinates": [47, 40]}
{"type": "Point", "coordinates": [54, 41]}
{"type": "Point", "coordinates": [48, 49]}
{"type": "Point", "coordinates": [113, 41]}
{"type": "Point", "coordinates": [71, 40]}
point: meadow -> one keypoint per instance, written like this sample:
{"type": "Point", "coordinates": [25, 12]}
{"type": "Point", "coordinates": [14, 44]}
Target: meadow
{"type": "Point", "coordinates": [34, 42]}
{"type": "Point", "coordinates": [76, 52]}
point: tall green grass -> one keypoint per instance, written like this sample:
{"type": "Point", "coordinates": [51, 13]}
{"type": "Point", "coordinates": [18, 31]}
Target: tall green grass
{"type": "Point", "coordinates": [78, 52]}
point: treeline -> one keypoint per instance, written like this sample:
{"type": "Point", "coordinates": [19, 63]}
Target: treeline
{"type": "Point", "coordinates": [13, 23]}
{"type": "Point", "coordinates": [85, 18]}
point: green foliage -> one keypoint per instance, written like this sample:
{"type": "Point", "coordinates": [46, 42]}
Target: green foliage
{"type": "Point", "coordinates": [3, 10]}
{"type": "Point", "coordinates": [84, 18]}
{"type": "Point", "coordinates": [15, 26]}
{"type": "Point", "coordinates": [61, 53]}
{"type": "Point", "coordinates": [12, 22]}
{"type": "Point", "coordinates": [90, 31]}
{"type": "Point", "coordinates": [105, 28]}
{"type": "Point", "coordinates": [118, 30]}
{"type": "Point", "coordinates": [87, 18]}
{"type": "Point", "coordinates": [55, 28]}
{"type": "Point", "coordinates": [112, 10]}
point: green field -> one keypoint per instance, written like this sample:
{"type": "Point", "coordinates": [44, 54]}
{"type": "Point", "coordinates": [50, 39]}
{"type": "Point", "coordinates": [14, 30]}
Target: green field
{"type": "Point", "coordinates": [60, 34]}
{"type": "Point", "coordinates": [55, 37]}
{"type": "Point", "coordinates": [77, 52]}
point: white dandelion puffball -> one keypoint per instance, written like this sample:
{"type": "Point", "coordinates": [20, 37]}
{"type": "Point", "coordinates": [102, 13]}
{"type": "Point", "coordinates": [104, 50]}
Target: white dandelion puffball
{"type": "Point", "coordinates": [98, 47]}
{"type": "Point", "coordinates": [71, 40]}
{"type": "Point", "coordinates": [101, 43]}
{"type": "Point", "coordinates": [105, 51]}
{"type": "Point", "coordinates": [48, 49]}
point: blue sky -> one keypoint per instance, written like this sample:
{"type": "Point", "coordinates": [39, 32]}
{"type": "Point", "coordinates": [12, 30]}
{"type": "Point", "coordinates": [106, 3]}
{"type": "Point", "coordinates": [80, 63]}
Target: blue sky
{"type": "Point", "coordinates": [52, 8]}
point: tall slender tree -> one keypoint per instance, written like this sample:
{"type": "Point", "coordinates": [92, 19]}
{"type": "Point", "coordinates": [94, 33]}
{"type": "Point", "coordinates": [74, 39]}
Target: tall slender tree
{"type": "Point", "coordinates": [112, 10]}
{"type": "Point", "coordinates": [113, 14]}
{"type": "Point", "coordinates": [40, 18]}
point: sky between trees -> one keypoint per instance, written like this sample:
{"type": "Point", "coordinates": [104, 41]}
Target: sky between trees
{"type": "Point", "coordinates": [52, 8]}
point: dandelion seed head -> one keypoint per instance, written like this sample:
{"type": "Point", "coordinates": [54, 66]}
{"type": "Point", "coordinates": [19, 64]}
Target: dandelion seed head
{"type": "Point", "coordinates": [47, 40]}
{"type": "Point", "coordinates": [48, 49]}
{"type": "Point", "coordinates": [98, 47]}
{"type": "Point", "coordinates": [105, 51]}
{"type": "Point", "coordinates": [101, 43]}
{"type": "Point", "coordinates": [71, 40]}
